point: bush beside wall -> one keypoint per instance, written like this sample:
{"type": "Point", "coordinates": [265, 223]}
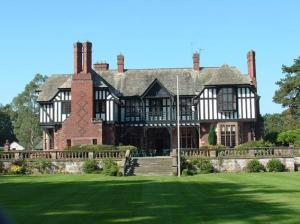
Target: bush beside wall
{"type": "Point", "coordinates": [254, 166]}
{"type": "Point", "coordinates": [275, 165]}
{"type": "Point", "coordinates": [90, 166]}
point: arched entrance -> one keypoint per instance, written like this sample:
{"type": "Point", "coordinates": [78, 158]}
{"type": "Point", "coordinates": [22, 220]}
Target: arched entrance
{"type": "Point", "coordinates": [158, 139]}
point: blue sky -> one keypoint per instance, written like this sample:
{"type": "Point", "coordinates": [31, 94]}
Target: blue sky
{"type": "Point", "coordinates": [38, 36]}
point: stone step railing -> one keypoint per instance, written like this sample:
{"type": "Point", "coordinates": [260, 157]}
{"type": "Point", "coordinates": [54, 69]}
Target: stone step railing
{"type": "Point", "coordinates": [242, 153]}
{"type": "Point", "coordinates": [62, 155]}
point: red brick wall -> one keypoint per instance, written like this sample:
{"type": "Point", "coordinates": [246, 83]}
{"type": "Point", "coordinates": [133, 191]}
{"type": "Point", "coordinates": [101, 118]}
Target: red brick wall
{"type": "Point", "coordinates": [79, 127]}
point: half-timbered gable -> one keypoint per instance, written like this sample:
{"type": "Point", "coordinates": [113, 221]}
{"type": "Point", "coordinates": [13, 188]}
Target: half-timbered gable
{"type": "Point", "coordinates": [227, 103]}
{"type": "Point", "coordinates": [105, 105]}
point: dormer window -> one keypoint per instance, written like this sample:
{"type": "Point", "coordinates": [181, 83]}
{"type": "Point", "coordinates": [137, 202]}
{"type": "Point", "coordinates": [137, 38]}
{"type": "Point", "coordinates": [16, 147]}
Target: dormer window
{"type": "Point", "coordinates": [227, 99]}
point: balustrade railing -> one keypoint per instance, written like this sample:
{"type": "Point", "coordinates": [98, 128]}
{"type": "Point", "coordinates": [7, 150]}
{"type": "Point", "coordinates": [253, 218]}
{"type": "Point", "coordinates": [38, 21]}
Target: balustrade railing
{"type": "Point", "coordinates": [242, 153]}
{"type": "Point", "coordinates": [117, 154]}
{"type": "Point", "coordinates": [61, 155]}
{"type": "Point", "coordinates": [195, 152]}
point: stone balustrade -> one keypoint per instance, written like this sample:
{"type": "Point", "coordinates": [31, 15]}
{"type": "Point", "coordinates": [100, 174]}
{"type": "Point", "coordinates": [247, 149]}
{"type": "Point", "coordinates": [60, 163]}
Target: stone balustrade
{"type": "Point", "coordinates": [61, 155]}
{"type": "Point", "coordinates": [243, 153]}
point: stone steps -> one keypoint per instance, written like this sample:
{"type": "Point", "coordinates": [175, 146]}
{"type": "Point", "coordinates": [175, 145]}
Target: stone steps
{"type": "Point", "coordinates": [150, 166]}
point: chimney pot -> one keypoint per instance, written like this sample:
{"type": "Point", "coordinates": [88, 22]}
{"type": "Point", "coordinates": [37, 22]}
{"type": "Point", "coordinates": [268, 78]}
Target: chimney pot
{"type": "Point", "coordinates": [102, 66]}
{"type": "Point", "coordinates": [196, 61]}
{"type": "Point", "coordinates": [120, 60]}
{"type": "Point", "coordinates": [77, 57]}
{"type": "Point", "coordinates": [252, 66]}
{"type": "Point", "coordinates": [87, 57]}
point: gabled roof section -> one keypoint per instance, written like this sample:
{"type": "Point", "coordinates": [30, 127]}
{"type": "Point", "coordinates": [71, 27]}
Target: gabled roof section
{"type": "Point", "coordinates": [157, 89]}
{"type": "Point", "coordinates": [50, 88]}
{"type": "Point", "coordinates": [227, 75]}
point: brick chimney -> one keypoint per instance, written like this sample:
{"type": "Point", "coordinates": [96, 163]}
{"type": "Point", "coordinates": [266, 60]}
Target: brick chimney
{"type": "Point", "coordinates": [79, 128]}
{"type": "Point", "coordinates": [196, 62]}
{"type": "Point", "coordinates": [77, 57]}
{"type": "Point", "coordinates": [251, 66]}
{"type": "Point", "coordinates": [102, 66]}
{"type": "Point", "coordinates": [87, 57]}
{"type": "Point", "coordinates": [120, 59]}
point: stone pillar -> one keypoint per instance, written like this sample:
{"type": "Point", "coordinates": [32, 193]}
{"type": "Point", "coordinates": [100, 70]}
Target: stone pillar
{"type": "Point", "coordinates": [91, 155]}
{"type": "Point", "coordinates": [199, 139]}
{"type": "Point", "coordinates": [6, 146]}
{"type": "Point", "coordinates": [174, 161]}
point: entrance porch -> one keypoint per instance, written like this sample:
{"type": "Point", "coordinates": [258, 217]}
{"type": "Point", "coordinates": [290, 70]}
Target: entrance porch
{"type": "Point", "coordinates": [158, 141]}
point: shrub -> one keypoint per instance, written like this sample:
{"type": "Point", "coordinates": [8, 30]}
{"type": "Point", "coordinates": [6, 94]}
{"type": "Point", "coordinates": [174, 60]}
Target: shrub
{"type": "Point", "coordinates": [203, 165]}
{"type": "Point", "coordinates": [127, 147]}
{"type": "Point", "coordinates": [289, 137]}
{"type": "Point", "coordinates": [2, 170]}
{"type": "Point", "coordinates": [212, 147]}
{"type": "Point", "coordinates": [212, 136]}
{"type": "Point", "coordinates": [254, 166]}
{"type": "Point", "coordinates": [41, 165]}
{"type": "Point", "coordinates": [90, 166]}
{"type": "Point", "coordinates": [271, 137]}
{"type": "Point", "coordinates": [111, 168]}
{"type": "Point", "coordinates": [16, 169]}
{"type": "Point", "coordinates": [185, 172]}
{"type": "Point", "coordinates": [187, 168]}
{"type": "Point", "coordinates": [275, 165]}
{"type": "Point", "coordinates": [254, 144]}
{"type": "Point", "coordinates": [19, 167]}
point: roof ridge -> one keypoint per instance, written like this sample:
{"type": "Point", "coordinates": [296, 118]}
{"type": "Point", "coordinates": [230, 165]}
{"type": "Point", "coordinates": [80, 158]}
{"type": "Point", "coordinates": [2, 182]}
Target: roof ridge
{"type": "Point", "coordinates": [166, 68]}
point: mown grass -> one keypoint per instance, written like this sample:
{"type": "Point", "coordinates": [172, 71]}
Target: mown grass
{"type": "Point", "coordinates": [214, 198]}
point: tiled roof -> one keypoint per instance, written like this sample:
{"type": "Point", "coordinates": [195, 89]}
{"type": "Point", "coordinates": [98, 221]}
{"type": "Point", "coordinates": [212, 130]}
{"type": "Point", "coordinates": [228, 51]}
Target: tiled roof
{"type": "Point", "coordinates": [134, 82]}
{"type": "Point", "coordinates": [49, 89]}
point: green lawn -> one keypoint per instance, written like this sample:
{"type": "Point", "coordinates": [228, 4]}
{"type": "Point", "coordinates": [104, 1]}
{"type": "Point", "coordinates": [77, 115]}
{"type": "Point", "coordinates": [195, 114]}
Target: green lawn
{"type": "Point", "coordinates": [213, 198]}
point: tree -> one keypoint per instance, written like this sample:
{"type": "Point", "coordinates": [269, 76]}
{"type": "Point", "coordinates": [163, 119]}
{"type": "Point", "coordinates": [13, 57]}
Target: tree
{"type": "Point", "coordinates": [25, 114]}
{"type": "Point", "coordinates": [291, 137]}
{"type": "Point", "coordinates": [212, 136]}
{"type": "Point", "coordinates": [6, 127]}
{"type": "Point", "coordinates": [288, 94]}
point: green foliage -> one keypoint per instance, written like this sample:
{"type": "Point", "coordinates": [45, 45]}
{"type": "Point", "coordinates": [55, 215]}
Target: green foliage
{"type": "Point", "coordinates": [277, 123]}
{"type": "Point", "coordinates": [16, 169]}
{"type": "Point", "coordinates": [288, 94]}
{"type": "Point", "coordinates": [289, 137]}
{"type": "Point", "coordinates": [212, 136]}
{"type": "Point", "coordinates": [2, 170]}
{"type": "Point", "coordinates": [186, 166]}
{"type": "Point", "coordinates": [185, 172]}
{"type": "Point", "coordinates": [196, 166]}
{"type": "Point", "coordinates": [90, 166]}
{"type": "Point", "coordinates": [212, 147]}
{"type": "Point", "coordinates": [25, 114]}
{"type": "Point", "coordinates": [19, 167]}
{"type": "Point", "coordinates": [271, 137]}
{"type": "Point", "coordinates": [42, 165]}
{"type": "Point", "coordinates": [275, 165]}
{"type": "Point", "coordinates": [254, 166]}
{"type": "Point", "coordinates": [254, 144]}
{"type": "Point", "coordinates": [127, 147]}
{"type": "Point", "coordinates": [111, 168]}
{"type": "Point", "coordinates": [203, 165]}
{"type": "Point", "coordinates": [6, 128]}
